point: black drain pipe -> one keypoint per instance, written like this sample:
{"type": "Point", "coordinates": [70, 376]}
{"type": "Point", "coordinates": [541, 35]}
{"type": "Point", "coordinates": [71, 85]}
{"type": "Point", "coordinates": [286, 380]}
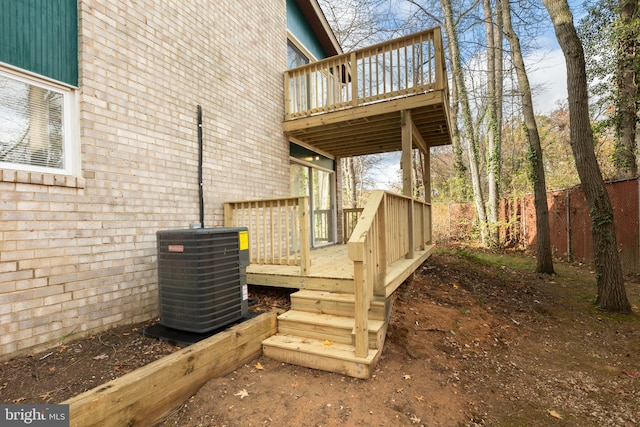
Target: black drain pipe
{"type": "Point", "coordinates": [200, 184]}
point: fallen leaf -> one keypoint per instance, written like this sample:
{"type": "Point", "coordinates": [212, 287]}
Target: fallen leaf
{"type": "Point", "coordinates": [327, 342]}
{"type": "Point", "coordinates": [406, 377]}
{"type": "Point", "coordinates": [419, 398]}
{"type": "Point", "coordinates": [259, 366]}
{"type": "Point", "coordinates": [242, 394]}
{"type": "Point", "coordinates": [400, 390]}
{"type": "Point", "coordinates": [52, 369]}
{"type": "Point", "coordinates": [554, 414]}
{"type": "Point", "coordinates": [18, 400]}
{"type": "Point", "coordinates": [455, 286]}
{"type": "Point", "coordinates": [631, 374]}
{"type": "Point", "coordinates": [101, 357]}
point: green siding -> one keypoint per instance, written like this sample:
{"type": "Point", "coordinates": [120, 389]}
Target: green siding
{"type": "Point", "coordinates": [298, 26]}
{"type": "Point", "coordinates": [41, 36]}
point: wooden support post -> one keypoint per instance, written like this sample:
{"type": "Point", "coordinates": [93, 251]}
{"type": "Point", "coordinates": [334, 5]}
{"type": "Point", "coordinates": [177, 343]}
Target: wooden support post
{"type": "Point", "coordinates": [228, 215]}
{"type": "Point", "coordinates": [411, 233]}
{"type": "Point", "coordinates": [407, 158]}
{"type": "Point", "coordinates": [426, 178]}
{"type": "Point", "coordinates": [441, 70]}
{"type": "Point", "coordinates": [407, 171]}
{"type": "Point", "coordinates": [354, 79]}
{"type": "Point", "coordinates": [287, 96]}
{"type": "Point", "coordinates": [305, 236]}
{"type": "Point", "coordinates": [381, 217]}
{"type": "Point", "coordinates": [361, 300]}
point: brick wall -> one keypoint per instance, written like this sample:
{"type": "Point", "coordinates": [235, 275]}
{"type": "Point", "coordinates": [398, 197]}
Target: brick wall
{"type": "Point", "coordinates": [78, 254]}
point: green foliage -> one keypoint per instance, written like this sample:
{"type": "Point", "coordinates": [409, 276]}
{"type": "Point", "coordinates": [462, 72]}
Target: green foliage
{"type": "Point", "coordinates": [609, 44]}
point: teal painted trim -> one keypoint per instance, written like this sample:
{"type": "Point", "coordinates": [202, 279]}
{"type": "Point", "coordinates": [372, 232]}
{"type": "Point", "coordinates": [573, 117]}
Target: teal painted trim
{"type": "Point", "coordinates": [298, 26]}
{"type": "Point", "coordinates": [41, 36]}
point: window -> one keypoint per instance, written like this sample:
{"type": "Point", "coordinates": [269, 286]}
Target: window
{"type": "Point", "coordinates": [295, 57]}
{"type": "Point", "coordinates": [35, 125]}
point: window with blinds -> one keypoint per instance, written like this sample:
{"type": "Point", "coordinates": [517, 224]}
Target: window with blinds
{"type": "Point", "coordinates": [33, 124]}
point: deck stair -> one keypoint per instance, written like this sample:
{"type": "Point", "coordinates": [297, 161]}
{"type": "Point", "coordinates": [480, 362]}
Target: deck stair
{"type": "Point", "coordinates": [318, 332]}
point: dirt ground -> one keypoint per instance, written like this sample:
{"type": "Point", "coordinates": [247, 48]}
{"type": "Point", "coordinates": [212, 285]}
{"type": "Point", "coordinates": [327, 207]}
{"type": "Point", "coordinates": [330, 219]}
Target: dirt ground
{"type": "Point", "coordinates": [476, 338]}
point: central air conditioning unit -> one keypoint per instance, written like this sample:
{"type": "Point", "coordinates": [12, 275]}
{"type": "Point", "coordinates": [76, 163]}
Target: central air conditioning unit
{"type": "Point", "coordinates": [202, 281]}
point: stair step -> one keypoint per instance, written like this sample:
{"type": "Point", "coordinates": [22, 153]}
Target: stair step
{"type": "Point", "coordinates": [313, 353]}
{"type": "Point", "coordinates": [335, 329]}
{"type": "Point", "coordinates": [339, 304]}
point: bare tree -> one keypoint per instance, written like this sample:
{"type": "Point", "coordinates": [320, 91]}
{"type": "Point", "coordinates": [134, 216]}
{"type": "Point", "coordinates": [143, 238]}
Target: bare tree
{"type": "Point", "coordinates": [467, 120]}
{"type": "Point", "coordinates": [543, 238]}
{"type": "Point", "coordinates": [493, 30]}
{"type": "Point", "coordinates": [611, 291]}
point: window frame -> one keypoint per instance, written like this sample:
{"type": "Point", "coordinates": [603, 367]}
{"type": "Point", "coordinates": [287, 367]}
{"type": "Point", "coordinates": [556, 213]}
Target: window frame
{"type": "Point", "coordinates": [70, 123]}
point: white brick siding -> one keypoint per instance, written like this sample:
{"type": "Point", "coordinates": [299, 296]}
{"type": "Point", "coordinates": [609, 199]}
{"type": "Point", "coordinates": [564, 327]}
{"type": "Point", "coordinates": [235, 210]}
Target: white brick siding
{"type": "Point", "coordinates": [78, 254]}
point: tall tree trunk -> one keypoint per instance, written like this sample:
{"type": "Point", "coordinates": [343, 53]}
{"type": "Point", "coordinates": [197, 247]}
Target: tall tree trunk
{"type": "Point", "coordinates": [493, 156]}
{"type": "Point", "coordinates": [627, 86]}
{"type": "Point", "coordinates": [612, 295]}
{"type": "Point", "coordinates": [463, 99]}
{"type": "Point", "coordinates": [543, 238]}
{"type": "Point", "coordinates": [459, 168]}
{"type": "Point", "coordinates": [499, 89]}
{"type": "Point", "coordinates": [350, 181]}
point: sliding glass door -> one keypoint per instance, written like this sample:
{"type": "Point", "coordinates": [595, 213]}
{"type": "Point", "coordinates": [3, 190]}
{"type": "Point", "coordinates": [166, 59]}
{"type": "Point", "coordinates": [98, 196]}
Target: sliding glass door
{"type": "Point", "coordinates": [316, 183]}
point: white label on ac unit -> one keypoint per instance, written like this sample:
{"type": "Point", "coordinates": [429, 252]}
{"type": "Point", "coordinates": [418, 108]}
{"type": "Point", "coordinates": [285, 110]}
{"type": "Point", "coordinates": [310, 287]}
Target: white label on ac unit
{"type": "Point", "coordinates": [245, 292]}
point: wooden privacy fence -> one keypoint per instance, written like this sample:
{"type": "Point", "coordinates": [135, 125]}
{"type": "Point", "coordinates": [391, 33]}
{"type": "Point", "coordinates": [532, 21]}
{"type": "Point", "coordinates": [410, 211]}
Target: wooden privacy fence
{"type": "Point", "coordinates": [404, 66]}
{"type": "Point", "coordinates": [386, 232]}
{"type": "Point", "coordinates": [569, 222]}
{"type": "Point", "coordinates": [279, 231]}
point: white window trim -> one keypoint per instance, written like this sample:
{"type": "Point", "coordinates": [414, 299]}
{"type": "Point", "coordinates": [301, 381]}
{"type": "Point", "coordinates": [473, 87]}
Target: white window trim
{"type": "Point", "coordinates": [71, 133]}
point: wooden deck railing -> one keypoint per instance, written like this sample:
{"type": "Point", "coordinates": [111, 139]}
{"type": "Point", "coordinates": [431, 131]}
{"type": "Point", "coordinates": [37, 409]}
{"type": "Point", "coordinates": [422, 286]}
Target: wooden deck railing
{"type": "Point", "coordinates": [405, 66]}
{"type": "Point", "coordinates": [279, 231]}
{"type": "Point", "coordinates": [390, 227]}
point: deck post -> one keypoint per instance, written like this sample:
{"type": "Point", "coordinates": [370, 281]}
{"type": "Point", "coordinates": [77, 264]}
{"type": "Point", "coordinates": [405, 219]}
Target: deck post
{"type": "Point", "coordinates": [441, 70]}
{"type": "Point", "coordinates": [354, 79]}
{"type": "Point", "coordinates": [305, 235]}
{"type": "Point", "coordinates": [379, 284]}
{"type": "Point", "coordinates": [407, 171]}
{"type": "Point", "coordinates": [361, 308]}
{"type": "Point", "coordinates": [228, 215]}
{"type": "Point", "coordinates": [426, 178]}
{"type": "Point", "coordinates": [287, 95]}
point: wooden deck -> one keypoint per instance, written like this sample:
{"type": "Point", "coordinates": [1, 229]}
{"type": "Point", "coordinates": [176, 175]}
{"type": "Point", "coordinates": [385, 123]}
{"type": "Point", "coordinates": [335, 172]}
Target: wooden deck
{"type": "Point", "coordinates": [339, 316]}
{"type": "Point", "coordinates": [332, 271]}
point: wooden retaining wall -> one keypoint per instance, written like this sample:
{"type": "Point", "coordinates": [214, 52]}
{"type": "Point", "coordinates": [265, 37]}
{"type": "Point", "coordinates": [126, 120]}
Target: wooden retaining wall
{"type": "Point", "coordinates": [145, 396]}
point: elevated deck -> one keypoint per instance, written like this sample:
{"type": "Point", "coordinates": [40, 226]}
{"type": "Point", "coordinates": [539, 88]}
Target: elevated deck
{"type": "Point", "coordinates": [357, 103]}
